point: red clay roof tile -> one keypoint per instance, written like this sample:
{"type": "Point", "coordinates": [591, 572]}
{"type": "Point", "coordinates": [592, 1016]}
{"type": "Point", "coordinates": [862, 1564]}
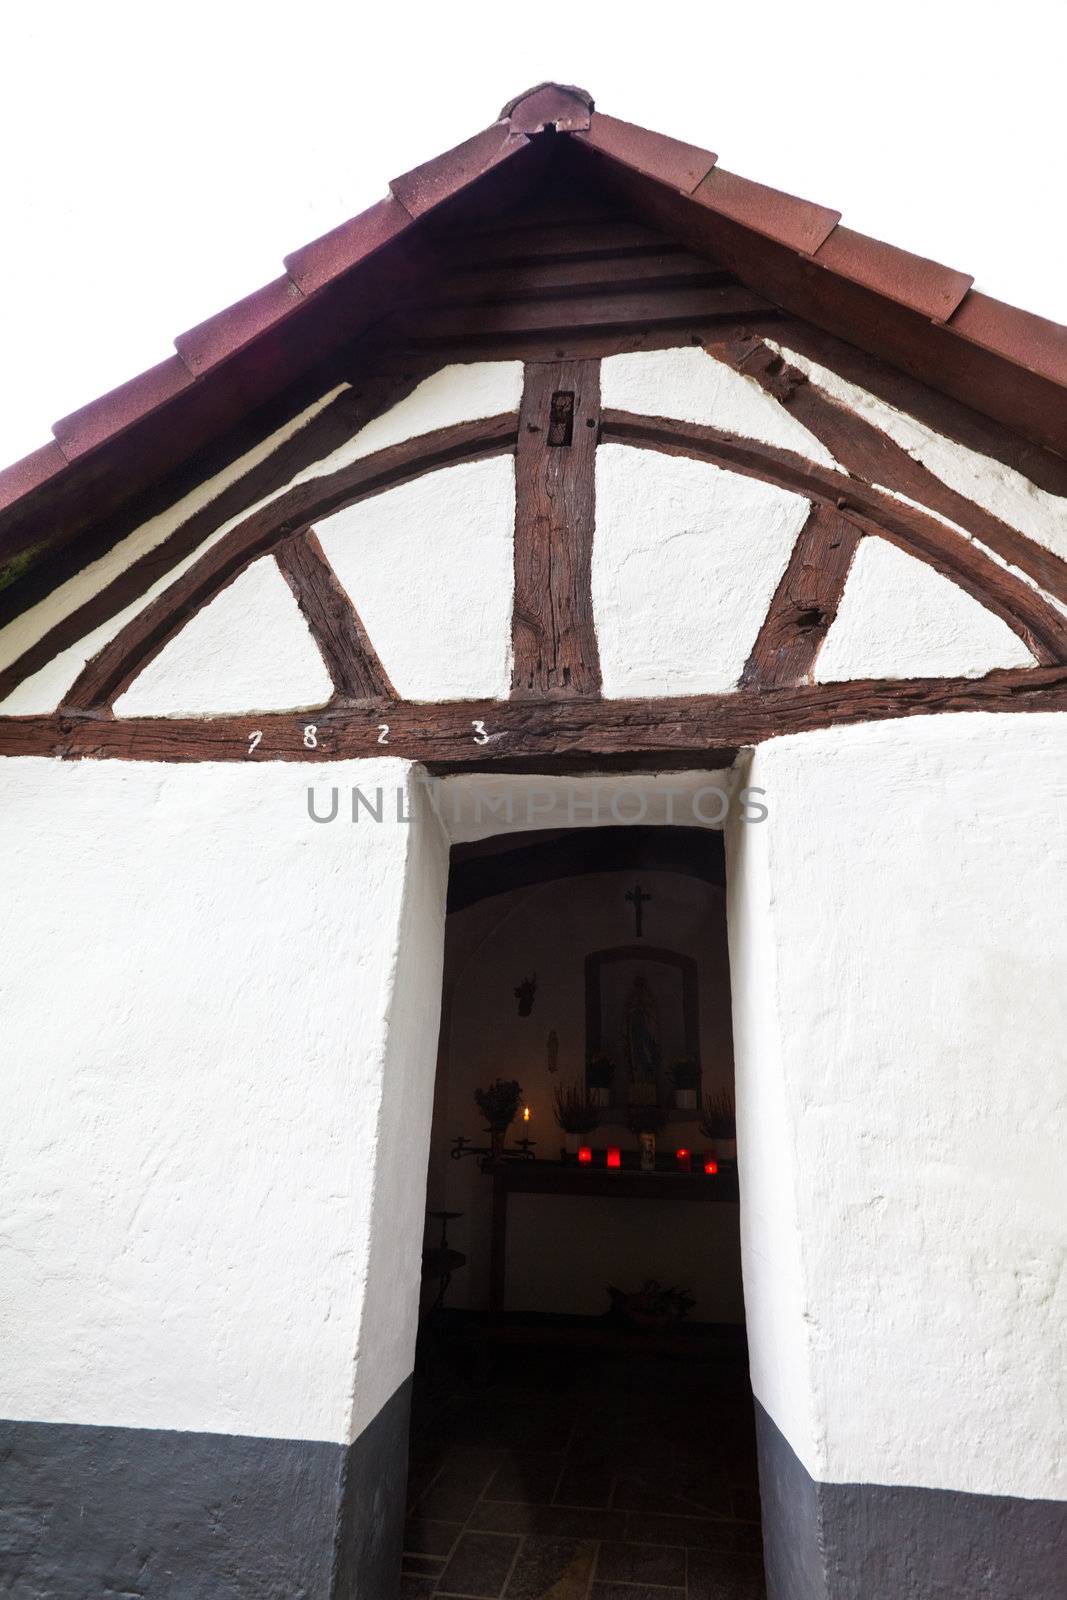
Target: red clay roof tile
{"type": "Point", "coordinates": [426, 186]}
{"type": "Point", "coordinates": [30, 472]}
{"type": "Point", "coordinates": [89, 426]}
{"type": "Point", "coordinates": [212, 341]}
{"type": "Point", "coordinates": [556, 105]}
{"type": "Point", "coordinates": [325, 258]}
{"type": "Point", "coordinates": [682, 166]}
{"type": "Point", "coordinates": [912, 280]}
{"type": "Point", "coordinates": [1019, 336]}
{"type": "Point", "coordinates": [1008, 343]}
{"type": "Point", "coordinates": [800, 224]}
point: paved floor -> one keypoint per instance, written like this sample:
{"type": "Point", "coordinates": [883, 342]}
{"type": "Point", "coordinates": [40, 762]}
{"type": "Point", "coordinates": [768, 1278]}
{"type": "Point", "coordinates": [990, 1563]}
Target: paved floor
{"type": "Point", "coordinates": [592, 1474]}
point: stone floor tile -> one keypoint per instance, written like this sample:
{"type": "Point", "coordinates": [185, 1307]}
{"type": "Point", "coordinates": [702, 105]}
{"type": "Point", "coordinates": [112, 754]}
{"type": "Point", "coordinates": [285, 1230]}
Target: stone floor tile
{"type": "Point", "coordinates": [713, 1576]}
{"type": "Point", "coordinates": [641, 1563]}
{"type": "Point", "coordinates": [479, 1565]}
{"type": "Point", "coordinates": [412, 1587]}
{"type": "Point", "coordinates": [425, 1537]}
{"type": "Point", "coordinates": [634, 1591]}
{"type": "Point", "coordinates": [551, 1569]}
{"type": "Point", "coordinates": [529, 1478]}
{"type": "Point", "coordinates": [585, 1481]}
{"type": "Point", "coordinates": [556, 1522]}
{"type": "Point", "coordinates": [696, 1533]}
{"type": "Point", "coordinates": [458, 1486]}
{"type": "Point", "coordinates": [423, 1566]}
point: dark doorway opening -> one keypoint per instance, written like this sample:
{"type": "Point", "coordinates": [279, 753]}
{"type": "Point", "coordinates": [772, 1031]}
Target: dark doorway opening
{"type": "Point", "coordinates": [582, 1422]}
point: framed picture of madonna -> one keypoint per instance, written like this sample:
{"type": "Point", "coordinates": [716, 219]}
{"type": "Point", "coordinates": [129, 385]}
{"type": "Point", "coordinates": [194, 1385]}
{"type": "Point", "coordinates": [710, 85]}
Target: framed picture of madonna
{"type": "Point", "coordinates": [642, 1025]}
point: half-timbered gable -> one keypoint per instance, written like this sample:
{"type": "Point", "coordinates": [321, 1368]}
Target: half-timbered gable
{"type": "Point", "coordinates": [576, 455]}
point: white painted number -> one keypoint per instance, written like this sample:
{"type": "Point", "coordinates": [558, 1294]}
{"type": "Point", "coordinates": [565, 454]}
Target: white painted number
{"type": "Point", "coordinates": [310, 741]}
{"type": "Point", "coordinates": [383, 733]}
{"type": "Point", "coordinates": [480, 735]}
{"type": "Point", "coordinates": [253, 740]}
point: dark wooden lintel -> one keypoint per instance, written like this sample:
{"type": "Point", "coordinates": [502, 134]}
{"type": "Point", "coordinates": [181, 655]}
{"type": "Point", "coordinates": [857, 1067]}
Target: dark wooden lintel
{"type": "Point", "coordinates": [451, 734]}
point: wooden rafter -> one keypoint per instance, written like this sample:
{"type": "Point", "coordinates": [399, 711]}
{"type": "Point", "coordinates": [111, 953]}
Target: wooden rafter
{"type": "Point", "coordinates": [355, 669]}
{"type": "Point", "coordinates": [805, 602]}
{"type": "Point", "coordinates": [553, 634]}
{"type": "Point", "coordinates": [1041, 627]}
{"type": "Point", "coordinates": [673, 730]}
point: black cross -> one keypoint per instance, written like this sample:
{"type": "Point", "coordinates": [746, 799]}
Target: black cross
{"type": "Point", "coordinates": [637, 900]}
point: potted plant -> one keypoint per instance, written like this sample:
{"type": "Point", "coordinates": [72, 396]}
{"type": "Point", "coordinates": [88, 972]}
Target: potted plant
{"type": "Point", "coordinates": [499, 1105]}
{"type": "Point", "coordinates": [685, 1075]}
{"type": "Point", "coordinates": [599, 1077]}
{"type": "Point", "coordinates": [654, 1306]}
{"type": "Point", "coordinates": [575, 1112]}
{"type": "Point", "coordinates": [718, 1124]}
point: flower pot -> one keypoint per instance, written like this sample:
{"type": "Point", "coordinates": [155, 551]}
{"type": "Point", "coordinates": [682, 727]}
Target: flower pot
{"type": "Point", "coordinates": [598, 1096]}
{"type": "Point", "coordinates": [497, 1137]}
{"type": "Point", "coordinates": [685, 1099]}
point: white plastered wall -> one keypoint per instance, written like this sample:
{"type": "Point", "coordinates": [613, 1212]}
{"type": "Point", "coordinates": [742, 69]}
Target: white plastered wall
{"type": "Point", "coordinates": [249, 649]}
{"type": "Point", "coordinates": [686, 558]}
{"type": "Point", "coordinates": [897, 955]}
{"type": "Point", "coordinates": [900, 618]}
{"type": "Point", "coordinates": [219, 1019]}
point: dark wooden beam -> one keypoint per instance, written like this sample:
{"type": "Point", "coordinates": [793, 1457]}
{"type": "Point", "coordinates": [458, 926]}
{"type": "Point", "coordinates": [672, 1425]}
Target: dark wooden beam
{"type": "Point", "coordinates": [114, 668]}
{"type": "Point", "coordinates": [553, 634]}
{"type": "Point", "coordinates": [1042, 628]}
{"type": "Point", "coordinates": [805, 602]}
{"type": "Point", "coordinates": [450, 734]}
{"type": "Point", "coordinates": [328, 429]}
{"type": "Point", "coordinates": [869, 453]}
{"type": "Point", "coordinates": [344, 644]}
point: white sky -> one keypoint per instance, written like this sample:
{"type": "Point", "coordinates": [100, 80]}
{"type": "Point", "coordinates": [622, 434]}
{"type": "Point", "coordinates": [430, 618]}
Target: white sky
{"type": "Point", "coordinates": [159, 159]}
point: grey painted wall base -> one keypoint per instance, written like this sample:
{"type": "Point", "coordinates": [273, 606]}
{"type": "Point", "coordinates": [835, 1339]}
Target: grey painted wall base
{"type": "Point", "coordinates": [119, 1513]}
{"type": "Point", "coordinates": [864, 1541]}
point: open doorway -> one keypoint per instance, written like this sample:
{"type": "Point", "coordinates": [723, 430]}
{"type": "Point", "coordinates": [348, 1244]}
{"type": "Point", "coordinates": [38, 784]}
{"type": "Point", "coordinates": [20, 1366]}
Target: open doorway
{"type": "Point", "coordinates": [582, 1423]}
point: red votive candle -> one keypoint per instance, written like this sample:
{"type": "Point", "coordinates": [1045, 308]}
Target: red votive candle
{"type": "Point", "coordinates": [684, 1160]}
{"type": "Point", "coordinates": [614, 1157]}
{"type": "Point", "coordinates": [711, 1168]}
{"type": "Point", "coordinates": [585, 1155]}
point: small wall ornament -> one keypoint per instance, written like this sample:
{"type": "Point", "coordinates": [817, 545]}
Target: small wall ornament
{"type": "Point", "coordinates": [524, 993]}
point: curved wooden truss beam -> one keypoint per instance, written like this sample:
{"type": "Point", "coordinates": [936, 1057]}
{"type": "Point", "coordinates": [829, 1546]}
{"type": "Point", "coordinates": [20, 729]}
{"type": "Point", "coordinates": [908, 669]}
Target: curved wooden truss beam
{"type": "Point", "coordinates": [1041, 627]}
{"type": "Point", "coordinates": [543, 734]}
{"type": "Point", "coordinates": [331, 427]}
{"type": "Point", "coordinates": [554, 636]}
{"type": "Point", "coordinates": [868, 452]}
{"type": "Point", "coordinates": [110, 672]}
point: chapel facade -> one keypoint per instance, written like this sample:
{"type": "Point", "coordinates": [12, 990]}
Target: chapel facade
{"type": "Point", "coordinates": [578, 484]}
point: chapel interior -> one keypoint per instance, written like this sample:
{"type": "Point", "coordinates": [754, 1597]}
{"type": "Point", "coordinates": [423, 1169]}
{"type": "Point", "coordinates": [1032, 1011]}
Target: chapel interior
{"type": "Point", "coordinates": [582, 1418]}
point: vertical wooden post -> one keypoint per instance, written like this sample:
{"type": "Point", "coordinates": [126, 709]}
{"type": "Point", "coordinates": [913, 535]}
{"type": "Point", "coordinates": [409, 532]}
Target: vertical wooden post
{"type": "Point", "coordinates": [555, 466]}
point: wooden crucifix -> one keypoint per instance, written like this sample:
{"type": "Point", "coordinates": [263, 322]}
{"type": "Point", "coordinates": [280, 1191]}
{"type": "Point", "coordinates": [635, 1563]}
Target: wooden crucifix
{"type": "Point", "coordinates": [638, 901]}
